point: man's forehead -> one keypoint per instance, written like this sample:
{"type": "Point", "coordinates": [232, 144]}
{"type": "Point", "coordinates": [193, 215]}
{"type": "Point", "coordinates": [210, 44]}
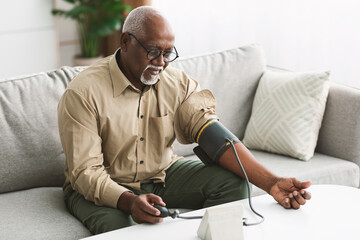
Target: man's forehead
{"type": "Point", "coordinates": [158, 36]}
{"type": "Point", "coordinates": [151, 45]}
{"type": "Point", "coordinates": [157, 23]}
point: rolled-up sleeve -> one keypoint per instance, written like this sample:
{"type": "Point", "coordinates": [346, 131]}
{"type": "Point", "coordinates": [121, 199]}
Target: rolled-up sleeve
{"type": "Point", "coordinates": [78, 128]}
{"type": "Point", "coordinates": [193, 113]}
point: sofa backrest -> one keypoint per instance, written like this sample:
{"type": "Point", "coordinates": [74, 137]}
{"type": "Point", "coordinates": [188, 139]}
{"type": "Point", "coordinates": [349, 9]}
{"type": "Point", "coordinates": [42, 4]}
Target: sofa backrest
{"type": "Point", "coordinates": [232, 76]}
{"type": "Point", "coordinates": [339, 134]}
{"type": "Point", "coordinates": [31, 154]}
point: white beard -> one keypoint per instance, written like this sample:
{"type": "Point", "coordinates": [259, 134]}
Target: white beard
{"type": "Point", "coordinates": [154, 78]}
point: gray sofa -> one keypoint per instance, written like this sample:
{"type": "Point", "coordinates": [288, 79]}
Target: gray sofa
{"type": "Point", "coordinates": [32, 159]}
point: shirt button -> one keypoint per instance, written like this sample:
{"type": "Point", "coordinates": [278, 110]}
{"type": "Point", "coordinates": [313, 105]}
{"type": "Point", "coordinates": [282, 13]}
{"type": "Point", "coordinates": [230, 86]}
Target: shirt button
{"type": "Point", "coordinates": [141, 162]}
{"type": "Point", "coordinates": [141, 116]}
{"type": "Point", "coordinates": [141, 139]}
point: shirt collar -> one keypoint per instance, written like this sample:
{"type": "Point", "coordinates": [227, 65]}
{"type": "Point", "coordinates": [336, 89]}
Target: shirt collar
{"type": "Point", "coordinates": [119, 80]}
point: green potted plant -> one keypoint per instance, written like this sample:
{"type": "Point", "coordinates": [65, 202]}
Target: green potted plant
{"type": "Point", "coordinates": [95, 20]}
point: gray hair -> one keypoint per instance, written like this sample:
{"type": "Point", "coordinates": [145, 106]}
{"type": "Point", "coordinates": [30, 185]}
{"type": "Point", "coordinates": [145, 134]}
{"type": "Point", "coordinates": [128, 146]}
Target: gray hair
{"type": "Point", "coordinates": [135, 21]}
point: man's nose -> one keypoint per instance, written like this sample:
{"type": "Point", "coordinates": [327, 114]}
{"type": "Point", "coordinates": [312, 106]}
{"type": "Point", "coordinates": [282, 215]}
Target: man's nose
{"type": "Point", "coordinates": [159, 61]}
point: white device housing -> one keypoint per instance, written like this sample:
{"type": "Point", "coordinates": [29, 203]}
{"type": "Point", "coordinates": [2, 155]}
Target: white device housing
{"type": "Point", "coordinates": [222, 223]}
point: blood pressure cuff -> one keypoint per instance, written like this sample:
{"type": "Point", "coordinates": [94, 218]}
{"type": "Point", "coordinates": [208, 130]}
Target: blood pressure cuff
{"type": "Point", "coordinates": [212, 142]}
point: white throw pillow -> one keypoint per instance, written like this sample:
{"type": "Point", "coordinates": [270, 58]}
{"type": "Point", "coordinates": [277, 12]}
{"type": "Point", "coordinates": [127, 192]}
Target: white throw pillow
{"type": "Point", "coordinates": [287, 113]}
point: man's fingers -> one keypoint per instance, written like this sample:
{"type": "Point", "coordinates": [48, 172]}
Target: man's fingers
{"type": "Point", "coordinates": [293, 202]}
{"type": "Point", "coordinates": [301, 185]}
{"type": "Point", "coordinates": [143, 211]}
{"type": "Point", "coordinates": [286, 203]}
{"type": "Point", "coordinates": [149, 209]}
{"type": "Point", "coordinates": [299, 198]}
{"type": "Point", "coordinates": [291, 193]}
{"type": "Point", "coordinates": [148, 202]}
{"type": "Point", "coordinates": [154, 199]}
{"type": "Point", "coordinates": [140, 216]}
{"type": "Point", "coordinates": [306, 195]}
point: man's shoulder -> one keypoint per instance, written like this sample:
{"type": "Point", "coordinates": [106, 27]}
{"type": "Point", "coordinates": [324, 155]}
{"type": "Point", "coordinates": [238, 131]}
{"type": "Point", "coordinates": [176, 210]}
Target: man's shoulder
{"type": "Point", "coordinates": [175, 77]}
{"type": "Point", "coordinates": [174, 72]}
{"type": "Point", "coordinates": [93, 78]}
{"type": "Point", "coordinates": [178, 83]}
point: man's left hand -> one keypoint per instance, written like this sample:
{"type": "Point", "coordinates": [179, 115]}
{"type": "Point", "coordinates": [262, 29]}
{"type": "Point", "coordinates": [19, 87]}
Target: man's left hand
{"type": "Point", "coordinates": [290, 192]}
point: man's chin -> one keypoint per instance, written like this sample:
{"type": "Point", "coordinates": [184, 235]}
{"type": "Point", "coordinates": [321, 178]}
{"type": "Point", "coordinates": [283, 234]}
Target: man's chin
{"type": "Point", "coordinates": [154, 79]}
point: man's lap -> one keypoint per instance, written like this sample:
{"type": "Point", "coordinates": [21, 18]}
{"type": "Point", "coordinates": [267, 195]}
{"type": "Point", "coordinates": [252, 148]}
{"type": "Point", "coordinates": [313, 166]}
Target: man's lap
{"type": "Point", "coordinates": [189, 184]}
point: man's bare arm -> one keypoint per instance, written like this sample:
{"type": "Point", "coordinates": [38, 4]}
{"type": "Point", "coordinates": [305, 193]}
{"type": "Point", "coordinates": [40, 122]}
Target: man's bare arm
{"type": "Point", "coordinates": [289, 192]}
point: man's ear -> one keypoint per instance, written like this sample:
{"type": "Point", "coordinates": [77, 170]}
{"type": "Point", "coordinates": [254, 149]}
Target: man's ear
{"type": "Point", "coordinates": [124, 41]}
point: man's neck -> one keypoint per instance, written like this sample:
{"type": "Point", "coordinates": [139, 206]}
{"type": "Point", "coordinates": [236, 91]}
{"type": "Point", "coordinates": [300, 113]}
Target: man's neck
{"type": "Point", "coordinates": [121, 64]}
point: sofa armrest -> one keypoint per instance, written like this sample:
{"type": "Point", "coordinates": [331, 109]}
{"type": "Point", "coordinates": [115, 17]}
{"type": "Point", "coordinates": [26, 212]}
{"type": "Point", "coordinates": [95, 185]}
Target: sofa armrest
{"type": "Point", "coordinates": [340, 131]}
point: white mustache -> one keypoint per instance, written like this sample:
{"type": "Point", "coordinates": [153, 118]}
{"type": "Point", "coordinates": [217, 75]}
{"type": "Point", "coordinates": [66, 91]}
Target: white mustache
{"type": "Point", "coordinates": [160, 69]}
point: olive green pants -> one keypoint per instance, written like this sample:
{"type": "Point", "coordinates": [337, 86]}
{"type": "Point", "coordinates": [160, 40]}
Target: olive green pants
{"type": "Point", "coordinates": [189, 184]}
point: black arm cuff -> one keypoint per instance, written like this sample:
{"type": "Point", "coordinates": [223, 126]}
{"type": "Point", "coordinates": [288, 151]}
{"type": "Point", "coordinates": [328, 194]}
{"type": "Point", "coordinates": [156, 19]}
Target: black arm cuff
{"type": "Point", "coordinates": [212, 141]}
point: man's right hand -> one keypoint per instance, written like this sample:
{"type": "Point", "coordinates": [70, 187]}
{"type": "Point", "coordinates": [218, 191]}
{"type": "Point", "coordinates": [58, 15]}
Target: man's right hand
{"type": "Point", "coordinates": [141, 207]}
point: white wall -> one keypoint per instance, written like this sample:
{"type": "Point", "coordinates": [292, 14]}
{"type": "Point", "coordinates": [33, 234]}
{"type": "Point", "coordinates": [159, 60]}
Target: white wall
{"type": "Point", "coordinates": [68, 41]}
{"type": "Point", "coordinates": [203, 26]}
{"type": "Point", "coordinates": [27, 37]}
{"type": "Point", "coordinates": [301, 35]}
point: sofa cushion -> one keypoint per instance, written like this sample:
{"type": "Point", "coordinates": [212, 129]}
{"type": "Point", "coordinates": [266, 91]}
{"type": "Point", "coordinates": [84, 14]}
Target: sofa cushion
{"type": "Point", "coordinates": [232, 76]}
{"type": "Point", "coordinates": [287, 113]}
{"type": "Point", "coordinates": [320, 169]}
{"type": "Point", "coordinates": [29, 139]}
{"type": "Point", "coordinates": [38, 213]}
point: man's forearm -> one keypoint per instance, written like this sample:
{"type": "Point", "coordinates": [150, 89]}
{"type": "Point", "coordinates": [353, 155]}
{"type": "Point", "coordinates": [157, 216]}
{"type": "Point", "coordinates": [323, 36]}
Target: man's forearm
{"type": "Point", "coordinates": [257, 174]}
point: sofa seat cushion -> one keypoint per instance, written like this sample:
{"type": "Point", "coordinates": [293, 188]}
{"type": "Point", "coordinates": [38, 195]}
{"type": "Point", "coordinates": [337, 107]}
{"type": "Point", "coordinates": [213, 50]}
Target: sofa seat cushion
{"type": "Point", "coordinates": [320, 169]}
{"type": "Point", "coordinates": [38, 213]}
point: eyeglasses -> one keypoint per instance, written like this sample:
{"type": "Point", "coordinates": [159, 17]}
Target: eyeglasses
{"type": "Point", "coordinates": [155, 53]}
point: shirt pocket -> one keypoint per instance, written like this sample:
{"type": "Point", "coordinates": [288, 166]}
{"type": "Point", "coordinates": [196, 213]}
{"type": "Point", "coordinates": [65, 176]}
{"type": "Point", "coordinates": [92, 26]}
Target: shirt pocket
{"type": "Point", "coordinates": [161, 131]}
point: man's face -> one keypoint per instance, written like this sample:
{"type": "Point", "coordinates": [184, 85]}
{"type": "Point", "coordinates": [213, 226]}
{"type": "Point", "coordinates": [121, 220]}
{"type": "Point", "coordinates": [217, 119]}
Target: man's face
{"type": "Point", "coordinates": [138, 68]}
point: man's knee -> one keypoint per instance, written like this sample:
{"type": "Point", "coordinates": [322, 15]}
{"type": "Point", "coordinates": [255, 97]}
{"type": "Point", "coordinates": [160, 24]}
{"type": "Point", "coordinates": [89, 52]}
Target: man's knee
{"type": "Point", "coordinates": [229, 188]}
{"type": "Point", "coordinates": [238, 188]}
{"type": "Point", "coordinates": [98, 219]}
{"type": "Point", "coordinates": [108, 219]}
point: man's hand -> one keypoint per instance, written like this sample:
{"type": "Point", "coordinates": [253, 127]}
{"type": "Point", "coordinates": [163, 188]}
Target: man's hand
{"type": "Point", "coordinates": [290, 192]}
{"type": "Point", "coordinates": [141, 207]}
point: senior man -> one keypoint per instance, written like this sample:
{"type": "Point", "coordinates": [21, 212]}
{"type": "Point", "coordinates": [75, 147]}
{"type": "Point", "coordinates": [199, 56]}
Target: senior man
{"type": "Point", "coordinates": [117, 122]}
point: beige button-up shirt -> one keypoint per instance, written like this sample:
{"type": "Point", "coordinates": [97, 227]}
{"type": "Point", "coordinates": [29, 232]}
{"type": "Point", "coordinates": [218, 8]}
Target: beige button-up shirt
{"type": "Point", "coordinates": [115, 136]}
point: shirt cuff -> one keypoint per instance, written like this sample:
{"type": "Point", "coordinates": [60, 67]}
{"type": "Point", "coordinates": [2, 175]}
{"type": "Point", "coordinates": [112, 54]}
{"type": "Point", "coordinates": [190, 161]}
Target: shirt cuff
{"type": "Point", "coordinates": [112, 194]}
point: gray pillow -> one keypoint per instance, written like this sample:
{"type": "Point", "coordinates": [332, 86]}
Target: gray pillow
{"type": "Point", "coordinates": [31, 154]}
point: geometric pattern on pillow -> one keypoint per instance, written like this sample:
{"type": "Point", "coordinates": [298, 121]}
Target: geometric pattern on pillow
{"type": "Point", "coordinates": [287, 112]}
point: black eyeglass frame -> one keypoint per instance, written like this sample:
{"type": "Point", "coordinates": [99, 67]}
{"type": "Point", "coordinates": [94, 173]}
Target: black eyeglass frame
{"type": "Point", "coordinates": [155, 50]}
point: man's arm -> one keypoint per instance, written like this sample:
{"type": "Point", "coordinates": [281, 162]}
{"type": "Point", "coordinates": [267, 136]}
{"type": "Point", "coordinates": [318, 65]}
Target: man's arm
{"type": "Point", "coordinates": [82, 147]}
{"type": "Point", "coordinates": [289, 192]}
{"type": "Point", "coordinates": [196, 111]}
{"type": "Point", "coordinates": [214, 148]}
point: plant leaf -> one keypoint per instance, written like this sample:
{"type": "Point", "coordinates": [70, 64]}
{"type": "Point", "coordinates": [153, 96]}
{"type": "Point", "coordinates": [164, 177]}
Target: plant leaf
{"type": "Point", "coordinates": [70, 1]}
